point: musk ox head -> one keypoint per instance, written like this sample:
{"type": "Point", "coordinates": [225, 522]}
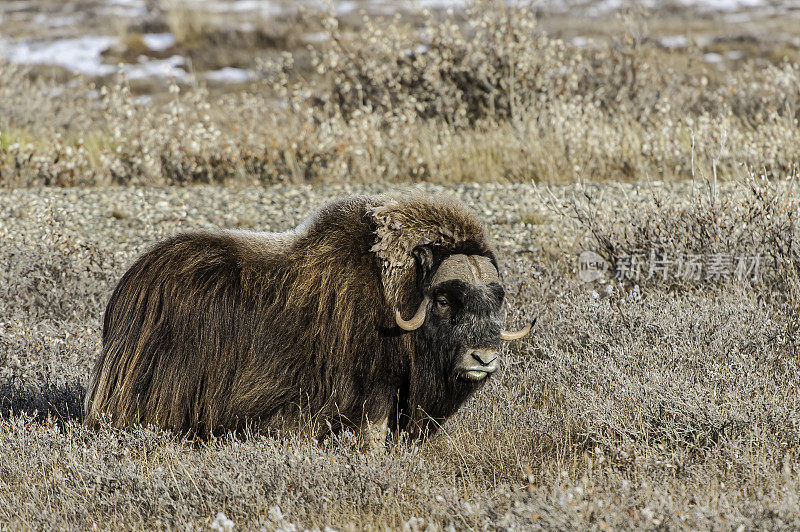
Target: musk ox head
{"type": "Point", "coordinates": [458, 322]}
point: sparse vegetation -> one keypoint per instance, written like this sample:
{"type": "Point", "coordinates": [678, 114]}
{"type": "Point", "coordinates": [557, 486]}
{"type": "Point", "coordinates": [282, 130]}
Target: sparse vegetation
{"type": "Point", "coordinates": [638, 404]}
{"type": "Point", "coordinates": [646, 407]}
{"type": "Point", "coordinates": [189, 26]}
{"type": "Point", "coordinates": [753, 217]}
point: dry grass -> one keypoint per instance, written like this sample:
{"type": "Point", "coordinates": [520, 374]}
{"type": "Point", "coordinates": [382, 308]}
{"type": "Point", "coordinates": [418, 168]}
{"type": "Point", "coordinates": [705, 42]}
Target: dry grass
{"type": "Point", "coordinates": [187, 25]}
{"type": "Point", "coordinates": [660, 406]}
{"type": "Point", "coordinates": [636, 405]}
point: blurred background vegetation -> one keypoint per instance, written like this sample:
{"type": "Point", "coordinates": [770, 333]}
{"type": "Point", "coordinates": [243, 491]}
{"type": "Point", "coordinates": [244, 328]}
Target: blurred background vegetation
{"type": "Point", "coordinates": [174, 92]}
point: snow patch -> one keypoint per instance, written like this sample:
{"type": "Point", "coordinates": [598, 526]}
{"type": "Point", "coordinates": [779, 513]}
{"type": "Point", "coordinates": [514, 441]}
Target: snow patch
{"type": "Point", "coordinates": [125, 8]}
{"type": "Point", "coordinates": [580, 42]}
{"type": "Point", "coordinates": [158, 42]}
{"type": "Point", "coordinates": [161, 68]}
{"type": "Point", "coordinates": [44, 19]}
{"type": "Point", "coordinates": [674, 41]}
{"type": "Point", "coordinates": [229, 75]}
{"type": "Point", "coordinates": [724, 5]}
{"type": "Point", "coordinates": [80, 55]}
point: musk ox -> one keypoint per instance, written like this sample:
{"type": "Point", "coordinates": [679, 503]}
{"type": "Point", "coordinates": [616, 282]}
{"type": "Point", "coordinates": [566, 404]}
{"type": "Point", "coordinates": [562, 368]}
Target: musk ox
{"type": "Point", "coordinates": [209, 332]}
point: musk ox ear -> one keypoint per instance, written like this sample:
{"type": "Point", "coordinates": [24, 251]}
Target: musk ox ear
{"type": "Point", "coordinates": [424, 257]}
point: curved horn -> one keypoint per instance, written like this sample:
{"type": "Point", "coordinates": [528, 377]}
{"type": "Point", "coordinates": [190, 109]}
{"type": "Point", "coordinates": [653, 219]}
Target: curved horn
{"type": "Point", "coordinates": [415, 322]}
{"type": "Point", "coordinates": [508, 336]}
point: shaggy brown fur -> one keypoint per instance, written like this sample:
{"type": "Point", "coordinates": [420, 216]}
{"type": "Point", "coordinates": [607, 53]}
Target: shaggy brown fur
{"type": "Point", "coordinates": [214, 331]}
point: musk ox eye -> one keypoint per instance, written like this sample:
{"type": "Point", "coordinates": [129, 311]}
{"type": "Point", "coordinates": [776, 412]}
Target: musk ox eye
{"type": "Point", "coordinates": [442, 302]}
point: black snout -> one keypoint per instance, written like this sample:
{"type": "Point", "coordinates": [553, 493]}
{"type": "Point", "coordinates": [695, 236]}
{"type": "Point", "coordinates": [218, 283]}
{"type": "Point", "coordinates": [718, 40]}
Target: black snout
{"type": "Point", "coordinates": [484, 358]}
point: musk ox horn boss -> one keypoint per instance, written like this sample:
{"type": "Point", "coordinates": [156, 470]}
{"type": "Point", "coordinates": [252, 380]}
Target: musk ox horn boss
{"type": "Point", "coordinates": [209, 332]}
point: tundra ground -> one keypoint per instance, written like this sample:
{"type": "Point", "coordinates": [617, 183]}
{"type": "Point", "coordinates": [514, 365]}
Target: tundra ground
{"type": "Point", "coordinates": [645, 405]}
{"type": "Point", "coordinates": [666, 398]}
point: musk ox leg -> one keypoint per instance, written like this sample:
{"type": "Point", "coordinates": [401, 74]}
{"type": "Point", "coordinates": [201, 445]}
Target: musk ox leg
{"type": "Point", "coordinates": [373, 434]}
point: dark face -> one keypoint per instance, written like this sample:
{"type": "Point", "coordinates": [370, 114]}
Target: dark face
{"type": "Point", "coordinates": [462, 329]}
